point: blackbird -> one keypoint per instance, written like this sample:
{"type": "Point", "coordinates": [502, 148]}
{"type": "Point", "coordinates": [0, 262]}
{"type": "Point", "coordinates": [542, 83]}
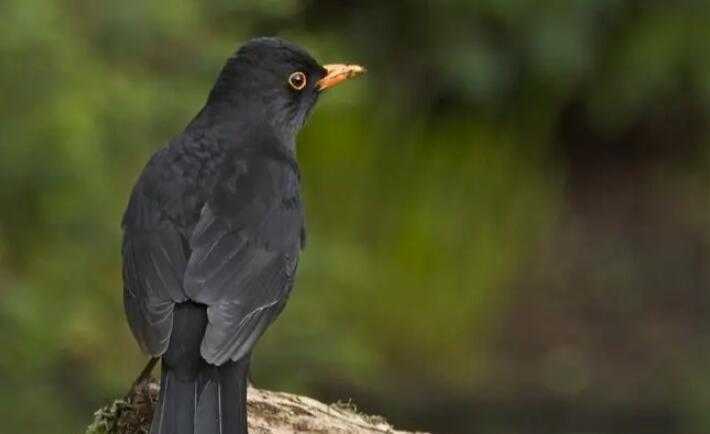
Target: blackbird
{"type": "Point", "coordinates": [213, 230]}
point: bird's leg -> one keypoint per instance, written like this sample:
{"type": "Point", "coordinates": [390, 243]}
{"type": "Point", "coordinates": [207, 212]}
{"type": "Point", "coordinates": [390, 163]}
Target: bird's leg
{"type": "Point", "coordinates": [145, 373]}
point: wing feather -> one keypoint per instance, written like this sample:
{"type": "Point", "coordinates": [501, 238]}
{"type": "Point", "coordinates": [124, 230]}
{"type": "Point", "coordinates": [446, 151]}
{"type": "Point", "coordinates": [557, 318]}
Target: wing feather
{"type": "Point", "coordinates": [154, 263]}
{"type": "Point", "coordinates": [243, 254]}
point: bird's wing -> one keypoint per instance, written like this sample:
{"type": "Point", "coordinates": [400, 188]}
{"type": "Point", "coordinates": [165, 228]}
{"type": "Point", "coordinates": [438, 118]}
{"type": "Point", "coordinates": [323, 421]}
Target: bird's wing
{"type": "Point", "coordinates": [153, 265]}
{"type": "Point", "coordinates": [244, 252]}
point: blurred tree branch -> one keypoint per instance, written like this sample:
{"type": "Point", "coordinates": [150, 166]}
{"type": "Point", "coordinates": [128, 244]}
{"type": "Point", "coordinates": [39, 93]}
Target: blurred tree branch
{"type": "Point", "coordinates": [269, 412]}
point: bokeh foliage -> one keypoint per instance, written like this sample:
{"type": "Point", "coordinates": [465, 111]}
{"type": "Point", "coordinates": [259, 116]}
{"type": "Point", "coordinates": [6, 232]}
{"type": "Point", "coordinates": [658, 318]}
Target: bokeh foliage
{"type": "Point", "coordinates": [448, 195]}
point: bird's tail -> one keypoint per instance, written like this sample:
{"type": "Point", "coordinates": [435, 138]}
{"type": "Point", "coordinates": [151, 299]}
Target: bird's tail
{"type": "Point", "coordinates": [213, 402]}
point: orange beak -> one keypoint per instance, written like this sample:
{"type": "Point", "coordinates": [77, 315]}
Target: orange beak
{"type": "Point", "coordinates": [338, 73]}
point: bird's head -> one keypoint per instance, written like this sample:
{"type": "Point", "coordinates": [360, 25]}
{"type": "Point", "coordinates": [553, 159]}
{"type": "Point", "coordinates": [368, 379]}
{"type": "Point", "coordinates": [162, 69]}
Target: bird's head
{"type": "Point", "coordinates": [272, 82]}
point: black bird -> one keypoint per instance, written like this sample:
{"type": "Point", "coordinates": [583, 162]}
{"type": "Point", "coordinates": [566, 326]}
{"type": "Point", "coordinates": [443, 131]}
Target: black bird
{"type": "Point", "coordinates": [213, 231]}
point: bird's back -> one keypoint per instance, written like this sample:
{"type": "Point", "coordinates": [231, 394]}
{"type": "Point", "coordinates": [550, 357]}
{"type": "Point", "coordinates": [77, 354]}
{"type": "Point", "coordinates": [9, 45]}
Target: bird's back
{"type": "Point", "coordinates": [248, 190]}
{"type": "Point", "coordinates": [175, 184]}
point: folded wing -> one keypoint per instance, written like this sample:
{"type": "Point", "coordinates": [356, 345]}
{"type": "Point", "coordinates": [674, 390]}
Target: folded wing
{"type": "Point", "coordinates": [153, 266]}
{"type": "Point", "coordinates": [244, 252]}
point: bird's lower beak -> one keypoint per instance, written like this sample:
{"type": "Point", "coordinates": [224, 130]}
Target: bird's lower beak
{"type": "Point", "coordinates": [338, 73]}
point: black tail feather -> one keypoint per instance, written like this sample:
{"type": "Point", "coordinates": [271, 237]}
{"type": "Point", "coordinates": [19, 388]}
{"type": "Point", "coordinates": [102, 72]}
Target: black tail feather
{"type": "Point", "coordinates": [213, 403]}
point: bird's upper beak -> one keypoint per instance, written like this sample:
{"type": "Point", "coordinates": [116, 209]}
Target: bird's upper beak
{"type": "Point", "coordinates": [338, 73]}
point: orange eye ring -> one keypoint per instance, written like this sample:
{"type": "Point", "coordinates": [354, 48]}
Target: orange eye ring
{"type": "Point", "coordinates": [298, 80]}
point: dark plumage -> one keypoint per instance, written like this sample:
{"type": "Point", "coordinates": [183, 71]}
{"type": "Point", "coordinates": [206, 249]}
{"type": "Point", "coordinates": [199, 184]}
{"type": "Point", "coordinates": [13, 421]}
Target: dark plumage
{"type": "Point", "coordinates": [213, 230]}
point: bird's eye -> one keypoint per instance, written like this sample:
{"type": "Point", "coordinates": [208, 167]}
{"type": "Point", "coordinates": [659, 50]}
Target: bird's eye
{"type": "Point", "coordinates": [297, 80]}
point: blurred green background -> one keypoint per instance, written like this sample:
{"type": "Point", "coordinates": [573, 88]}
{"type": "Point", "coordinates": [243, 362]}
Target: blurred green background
{"type": "Point", "coordinates": [509, 216]}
